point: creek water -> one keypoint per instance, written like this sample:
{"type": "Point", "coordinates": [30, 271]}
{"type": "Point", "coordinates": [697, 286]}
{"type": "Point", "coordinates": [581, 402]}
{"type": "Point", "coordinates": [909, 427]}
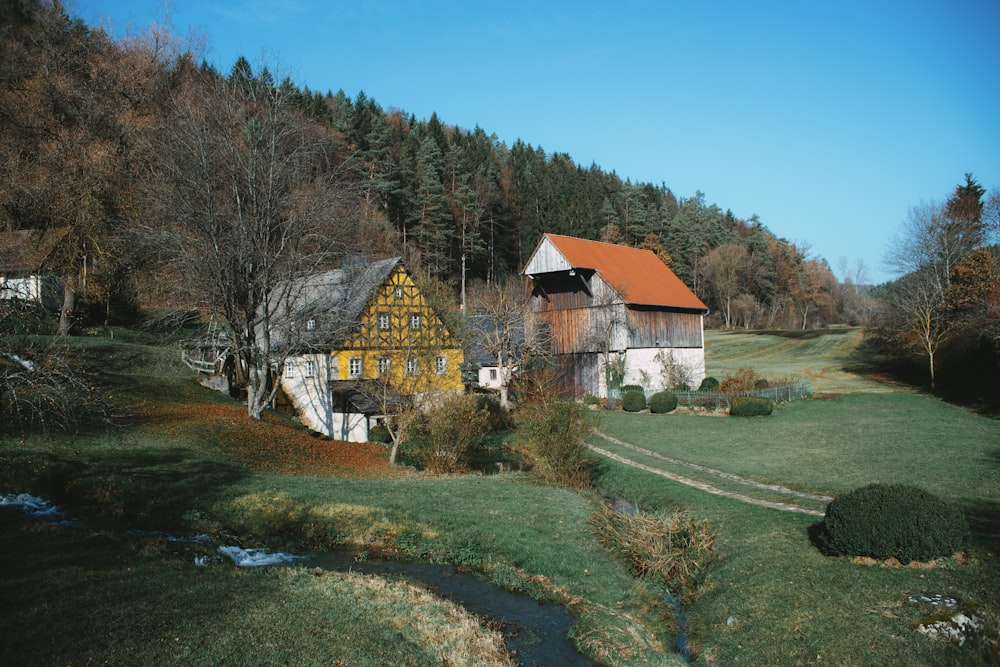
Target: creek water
{"type": "Point", "coordinates": [535, 632]}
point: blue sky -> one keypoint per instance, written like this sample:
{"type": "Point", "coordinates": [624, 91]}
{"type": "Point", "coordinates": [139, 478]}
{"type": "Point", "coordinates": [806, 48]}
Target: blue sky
{"type": "Point", "coordinates": [828, 120]}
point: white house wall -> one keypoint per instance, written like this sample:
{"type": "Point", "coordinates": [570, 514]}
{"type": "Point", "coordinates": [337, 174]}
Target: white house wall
{"type": "Point", "coordinates": [644, 360]}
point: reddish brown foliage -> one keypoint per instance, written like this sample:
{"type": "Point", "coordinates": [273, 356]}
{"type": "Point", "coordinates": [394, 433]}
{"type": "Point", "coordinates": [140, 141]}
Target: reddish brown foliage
{"type": "Point", "coordinates": [273, 444]}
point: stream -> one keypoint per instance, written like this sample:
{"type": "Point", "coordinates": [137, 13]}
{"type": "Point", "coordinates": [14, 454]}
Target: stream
{"type": "Point", "coordinates": [535, 632]}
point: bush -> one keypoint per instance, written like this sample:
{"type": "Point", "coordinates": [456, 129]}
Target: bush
{"type": "Point", "coordinates": [442, 439]}
{"type": "Point", "coordinates": [633, 387]}
{"type": "Point", "coordinates": [748, 406]}
{"type": "Point", "coordinates": [762, 383]}
{"type": "Point", "coordinates": [663, 402]}
{"type": "Point", "coordinates": [590, 399]}
{"type": "Point", "coordinates": [892, 521]}
{"type": "Point", "coordinates": [709, 384]}
{"type": "Point", "coordinates": [498, 418]}
{"type": "Point", "coordinates": [552, 439]}
{"type": "Point", "coordinates": [744, 380]}
{"type": "Point", "coordinates": [633, 401]}
{"type": "Point", "coordinates": [379, 433]}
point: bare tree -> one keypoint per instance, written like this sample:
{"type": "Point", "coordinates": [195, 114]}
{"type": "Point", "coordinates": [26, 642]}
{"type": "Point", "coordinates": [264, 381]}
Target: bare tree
{"type": "Point", "coordinates": [918, 312]}
{"type": "Point", "coordinates": [725, 269]}
{"type": "Point", "coordinates": [249, 204]}
{"type": "Point", "coordinates": [501, 332]}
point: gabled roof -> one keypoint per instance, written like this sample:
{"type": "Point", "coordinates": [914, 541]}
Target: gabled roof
{"type": "Point", "coordinates": [26, 250]}
{"type": "Point", "coordinates": [638, 276]}
{"type": "Point", "coordinates": [334, 299]}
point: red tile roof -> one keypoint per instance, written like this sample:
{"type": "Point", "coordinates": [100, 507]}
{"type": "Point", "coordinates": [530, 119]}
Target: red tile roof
{"type": "Point", "coordinates": [639, 276]}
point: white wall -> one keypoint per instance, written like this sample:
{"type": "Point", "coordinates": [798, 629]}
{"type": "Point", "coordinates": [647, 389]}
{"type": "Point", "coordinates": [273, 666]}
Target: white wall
{"type": "Point", "coordinates": [645, 359]}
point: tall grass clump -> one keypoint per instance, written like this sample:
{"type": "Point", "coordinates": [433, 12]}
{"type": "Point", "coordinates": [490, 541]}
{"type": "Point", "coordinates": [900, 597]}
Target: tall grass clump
{"type": "Point", "coordinates": [552, 440]}
{"type": "Point", "coordinates": [670, 548]}
{"type": "Point", "coordinates": [885, 521]}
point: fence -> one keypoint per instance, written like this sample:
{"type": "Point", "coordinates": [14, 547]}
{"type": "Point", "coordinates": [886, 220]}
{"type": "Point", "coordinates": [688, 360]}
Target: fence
{"type": "Point", "coordinates": [717, 400]}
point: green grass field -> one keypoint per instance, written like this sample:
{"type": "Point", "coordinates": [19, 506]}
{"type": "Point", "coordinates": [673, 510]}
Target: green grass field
{"type": "Point", "coordinates": [188, 460]}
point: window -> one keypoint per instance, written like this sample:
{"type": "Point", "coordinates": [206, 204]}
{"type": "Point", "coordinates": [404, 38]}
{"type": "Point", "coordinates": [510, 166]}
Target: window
{"type": "Point", "coordinates": [310, 369]}
{"type": "Point", "coordinates": [399, 291]}
{"type": "Point", "coordinates": [354, 367]}
{"type": "Point", "coordinates": [311, 325]}
{"type": "Point", "coordinates": [414, 322]}
{"type": "Point", "coordinates": [383, 322]}
{"type": "Point", "coordinates": [493, 374]}
{"type": "Point", "coordinates": [441, 365]}
{"type": "Point", "coordinates": [384, 365]}
{"type": "Point", "coordinates": [289, 369]}
{"type": "Point", "coordinates": [412, 366]}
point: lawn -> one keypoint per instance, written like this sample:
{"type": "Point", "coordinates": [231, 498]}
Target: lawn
{"type": "Point", "coordinates": [187, 459]}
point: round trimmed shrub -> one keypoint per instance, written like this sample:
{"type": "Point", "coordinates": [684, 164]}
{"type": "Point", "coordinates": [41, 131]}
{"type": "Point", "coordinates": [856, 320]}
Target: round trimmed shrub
{"type": "Point", "coordinates": [751, 406]}
{"type": "Point", "coordinates": [663, 402]}
{"type": "Point", "coordinates": [709, 384]}
{"type": "Point", "coordinates": [892, 521]}
{"type": "Point", "coordinates": [633, 387]}
{"type": "Point", "coordinates": [633, 401]}
{"type": "Point", "coordinates": [379, 433]}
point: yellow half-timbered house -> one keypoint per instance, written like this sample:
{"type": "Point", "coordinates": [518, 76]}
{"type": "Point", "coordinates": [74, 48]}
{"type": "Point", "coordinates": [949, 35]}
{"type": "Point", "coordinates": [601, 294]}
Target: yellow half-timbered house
{"type": "Point", "coordinates": [360, 338]}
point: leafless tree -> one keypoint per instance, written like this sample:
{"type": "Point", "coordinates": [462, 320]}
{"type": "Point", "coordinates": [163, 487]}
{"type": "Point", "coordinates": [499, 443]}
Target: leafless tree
{"type": "Point", "coordinates": [725, 268]}
{"type": "Point", "coordinates": [501, 331]}
{"type": "Point", "coordinates": [248, 199]}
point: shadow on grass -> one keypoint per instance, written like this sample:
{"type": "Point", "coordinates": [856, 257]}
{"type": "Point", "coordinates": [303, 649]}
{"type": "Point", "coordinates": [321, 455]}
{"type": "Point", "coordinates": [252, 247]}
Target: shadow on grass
{"type": "Point", "coordinates": [145, 488]}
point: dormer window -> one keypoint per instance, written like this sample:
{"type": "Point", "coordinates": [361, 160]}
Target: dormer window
{"type": "Point", "coordinates": [311, 325]}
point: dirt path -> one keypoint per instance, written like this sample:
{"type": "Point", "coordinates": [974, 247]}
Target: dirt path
{"type": "Point", "coordinates": [703, 486]}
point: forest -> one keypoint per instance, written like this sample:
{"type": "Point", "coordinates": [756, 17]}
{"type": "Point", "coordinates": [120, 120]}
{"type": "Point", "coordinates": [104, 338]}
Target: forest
{"type": "Point", "coordinates": [119, 145]}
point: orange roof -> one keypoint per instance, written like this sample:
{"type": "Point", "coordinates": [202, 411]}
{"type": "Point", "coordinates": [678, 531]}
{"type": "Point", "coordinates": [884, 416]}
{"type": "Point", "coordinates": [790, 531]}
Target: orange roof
{"type": "Point", "coordinates": [639, 276]}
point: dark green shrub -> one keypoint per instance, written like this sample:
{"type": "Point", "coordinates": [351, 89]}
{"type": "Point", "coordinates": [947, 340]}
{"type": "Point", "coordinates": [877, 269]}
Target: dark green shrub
{"type": "Point", "coordinates": [379, 433]}
{"type": "Point", "coordinates": [762, 383]}
{"type": "Point", "coordinates": [633, 387]}
{"type": "Point", "coordinates": [663, 402]}
{"type": "Point", "coordinates": [590, 399]}
{"type": "Point", "coordinates": [709, 384]}
{"type": "Point", "coordinates": [633, 401]}
{"type": "Point", "coordinates": [498, 417]}
{"type": "Point", "coordinates": [749, 406]}
{"type": "Point", "coordinates": [892, 521]}
{"type": "Point", "coordinates": [552, 438]}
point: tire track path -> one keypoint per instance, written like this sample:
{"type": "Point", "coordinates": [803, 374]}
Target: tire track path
{"type": "Point", "coordinates": [704, 486]}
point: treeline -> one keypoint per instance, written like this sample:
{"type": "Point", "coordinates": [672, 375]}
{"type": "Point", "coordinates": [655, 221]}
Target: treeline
{"type": "Point", "coordinates": [85, 116]}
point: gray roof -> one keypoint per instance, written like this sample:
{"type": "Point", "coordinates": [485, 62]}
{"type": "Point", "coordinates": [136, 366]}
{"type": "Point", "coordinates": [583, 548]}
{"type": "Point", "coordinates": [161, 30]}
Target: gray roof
{"type": "Point", "coordinates": [333, 299]}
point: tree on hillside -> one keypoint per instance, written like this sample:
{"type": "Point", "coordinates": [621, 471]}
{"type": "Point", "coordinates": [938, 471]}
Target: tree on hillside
{"type": "Point", "coordinates": [249, 203]}
{"type": "Point", "coordinates": [725, 269]}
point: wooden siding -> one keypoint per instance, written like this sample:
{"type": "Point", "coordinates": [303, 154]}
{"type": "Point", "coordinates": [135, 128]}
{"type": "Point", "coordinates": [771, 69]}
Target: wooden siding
{"type": "Point", "coordinates": [648, 327]}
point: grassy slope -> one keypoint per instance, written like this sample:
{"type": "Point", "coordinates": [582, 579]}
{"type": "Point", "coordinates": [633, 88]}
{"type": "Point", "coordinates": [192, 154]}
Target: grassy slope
{"type": "Point", "coordinates": [790, 604]}
{"type": "Point", "coordinates": [189, 459]}
{"type": "Point", "coordinates": [818, 357]}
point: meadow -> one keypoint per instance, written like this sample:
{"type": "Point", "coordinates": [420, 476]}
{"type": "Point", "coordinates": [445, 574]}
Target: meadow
{"type": "Point", "coordinates": [187, 460]}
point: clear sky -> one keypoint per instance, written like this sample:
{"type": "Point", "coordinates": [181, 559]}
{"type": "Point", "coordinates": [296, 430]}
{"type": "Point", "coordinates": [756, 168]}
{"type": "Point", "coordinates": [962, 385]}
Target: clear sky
{"type": "Point", "coordinates": [828, 120]}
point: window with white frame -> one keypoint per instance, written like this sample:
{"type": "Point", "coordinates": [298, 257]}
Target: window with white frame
{"type": "Point", "coordinates": [441, 364]}
{"type": "Point", "coordinates": [384, 322]}
{"type": "Point", "coordinates": [289, 369]}
{"type": "Point", "coordinates": [384, 365]}
{"type": "Point", "coordinates": [354, 367]}
{"type": "Point", "coordinates": [415, 321]}
{"type": "Point", "coordinates": [493, 374]}
{"type": "Point", "coordinates": [310, 369]}
{"type": "Point", "coordinates": [311, 325]}
{"type": "Point", "coordinates": [399, 291]}
{"type": "Point", "coordinates": [412, 367]}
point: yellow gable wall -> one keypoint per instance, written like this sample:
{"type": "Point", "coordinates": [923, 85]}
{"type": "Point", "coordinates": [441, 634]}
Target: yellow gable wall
{"type": "Point", "coordinates": [395, 304]}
